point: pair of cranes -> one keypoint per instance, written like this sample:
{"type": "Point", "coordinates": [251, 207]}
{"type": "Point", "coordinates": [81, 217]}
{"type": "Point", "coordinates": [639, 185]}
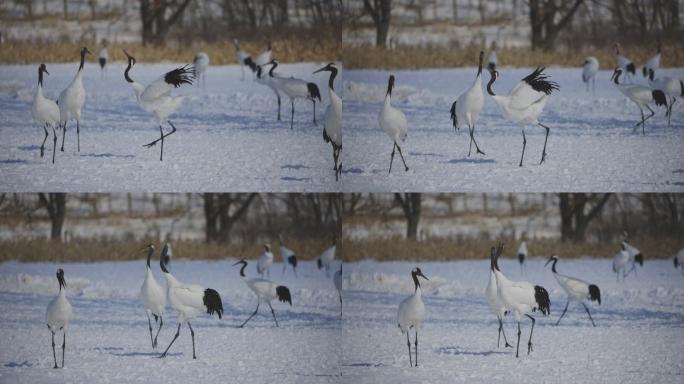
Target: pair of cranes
{"type": "Point", "coordinates": [522, 106]}
{"type": "Point", "coordinates": [56, 114]}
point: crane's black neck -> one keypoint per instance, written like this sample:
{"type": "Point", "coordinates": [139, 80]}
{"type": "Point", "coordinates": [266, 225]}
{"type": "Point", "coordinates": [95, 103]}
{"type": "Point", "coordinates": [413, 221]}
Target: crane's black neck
{"type": "Point", "coordinates": [479, 66]}
{"type": "Point", "coordinates": [242, 270]}
{"type": "Point", "coordinates": [162, 264]}
{"type": "Point", "coordinates": [273, 67]}
{"type": "Point", "coordinates": [130, 65]}
{"type": "Point", "coordinates": [40, 76]}
{"type": "Point", "coordinates": [617, 78]}
{"type": "Point", "coordinates": [390, 85]}
{"type": "Point", "coordinates": [553, 266]}
{"type": "Point", "coordinates": [83, 53]}
{"type": "Point", "coordinates": [415, 280]}
{"type": "Point", "coordinates": [331, 81]}
{"type": "Point", "coordinates": [150, 252]}
{"type": "Point", "coordinates": [258, 72]}
{"type": "Point", "coordinates": [490, 83]}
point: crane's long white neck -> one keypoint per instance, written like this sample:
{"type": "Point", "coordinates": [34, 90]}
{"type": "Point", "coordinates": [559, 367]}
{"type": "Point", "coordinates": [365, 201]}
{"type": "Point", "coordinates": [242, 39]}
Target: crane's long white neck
{"type": "Point", "coordinates": [171, 280]}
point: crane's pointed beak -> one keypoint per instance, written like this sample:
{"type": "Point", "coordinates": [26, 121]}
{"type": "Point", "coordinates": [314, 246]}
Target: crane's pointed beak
{"type": "Point", "coordinates": [45, 70]}
{"type": "Point", "coordinates": [423, 276]}
{"type": "Point", "coordinates": [322, 69]}
{"type": "Point", "coordinates": [239, 262]}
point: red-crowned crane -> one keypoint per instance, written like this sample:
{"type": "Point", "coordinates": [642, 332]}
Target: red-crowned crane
{"type": "Point", "coordinates": [576, 289]}
{"type": "Point", "coordinates": [394, 123]}
{"type": "Point", "coordinates": [45, 112]}
{"type": "Point", "coordinates": [58, 315]}
{"type": "Point", "coordinates": [641, 96]}
{"type": "Point", "coordinates": [466, 109]}
{"type": "Point", "coordinates": [71, 102]}
{"type": "Point", "coordinates": [265, 291]}
{"type": "Point", "coordinates": [411, 313]}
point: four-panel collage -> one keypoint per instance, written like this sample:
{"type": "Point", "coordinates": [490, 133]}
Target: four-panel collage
{"type": "Point", "coordinates": [184, 198]}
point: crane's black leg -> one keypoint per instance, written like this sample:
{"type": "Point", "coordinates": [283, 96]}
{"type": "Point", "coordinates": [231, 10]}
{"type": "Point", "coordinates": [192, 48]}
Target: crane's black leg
{"type": "Point", "coordinates": [174, 339]}
{"type": "Point", "coordinates": [545, 140]}
{"type": "Point", "coordinates": [339, 293]}
{"type": "Point", "coordinates": [402, 157]}
{"type": "Point", "coordinates": [63, 345]}
{"type": "Point", "coordinates": [314, 111]}
{"type": "Point", "coordinates": [250, 317]}
{"type": "Point", "coordinates": [563, 314]}
{"type": "Point", "coordinates": [416, 347]}
{"type": "Point", "coordinates": [54, 143]}
{"type": "Point", "coordinates": [78, 135]}
{"type": "Point", "coordinates": [392, 157]}
{"type": "Point", "coordinates": [335, 161]}
{"type": "Point", "coordinates": [273, 313]}
{"type": "Point", "coordinates": [472, 137]}
{"type": "Point", "coordinates": [470, 146]}
{"type": "Point", "coordinates": [42, 146]}
{"type": "Point", "coordinates": [292, 114]}
{"type": "Point", "coordinates": [669, 110]}
{"type": "Point", "coordinates": [524, 144]}
{"type": "Point", "coordinates": [54, 354]}
{"type": "Point", "coordinates": [161, 324]}
{"type": "Point", "coordinates": [63, 136]}
{"type": "Point", "coordinates": [498, 338]}
{"type": "Point", "coordinates": [504, 335]}
{"type": "Point", "coordinates": [192, 334]}
{"type": "Point", "coordinates": [278, 96]}
{"type": "Point", "coordinates": [589, 313]}
{"type": "Point", "coordinates": [161, 152]}
{"type": "Point", "coordinates": [149, 323]}
{"type": "Point", "coordinates": [408, 343]}
{"type": "Point", "coordinates": [529, 342]}
{"type": "Point", "coordinates": [173, 130]}
{"type": "Point", "coordinates": [517, 347]}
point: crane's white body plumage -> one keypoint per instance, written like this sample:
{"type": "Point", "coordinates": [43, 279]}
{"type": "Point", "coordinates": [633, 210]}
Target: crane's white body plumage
{"type": "Point", "coordinates": [671, 86]}
{"type": "Point", "coordinates": [621, 263]}
{"type": "Point", "coordinates": [267, 80]}
{"type": "Point", "coordinates": [522, 255]}
{"type": "Point", "coordinates": [466, 109]}
{"type": "Point", "coordinates": [201, 64]}
{"type": "Point", "coordinates": [576, 290]}
{"type": "Point", "coordinates": [45, 112]}
{"type": "Point", "coordinates": [287, 255]}
{"type": "Point", "coordinates": [394, 123]}
{"type": "Point", "coordinates": [265, 291]}
{"type": "Point", "coordinates": [624, 63]}
{"type": "Point", "coordinates": [589, 71]}
{"type": "Point", "coordinates": [264, 57]}
{"type": "Point", "coordinates": [71, 101]}
{"type": "Point", "coordinates": [295, 88]}
{"type": "Point", "coordinates": [58, 315]}
{"type": "Point", "coordinates": [326, 258]}
{"type": "Point", "coordinates": [332, 123]}
{"type": "Point", "coordinates": [411, 313]}
{"type": "Point", "coordinates": [265, 261]}
{"type": "Point", "coordinates": [652, 63]}
{"type": "Point", "coordinates": [495, 302]}
{"type": "Point", "coordinates": [153, 296]}
{"type": "Point", "coordinates": [641, 96]}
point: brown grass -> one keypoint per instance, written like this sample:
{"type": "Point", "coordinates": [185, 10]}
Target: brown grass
{"type": "Point", "coordinates": [392, 249]}
{"type": "Point", "coordinates": [83, 250]}
{"type": "Point", "coordinates": [418, 58]}
{"type": "Point", "coordinates": [285, 50]}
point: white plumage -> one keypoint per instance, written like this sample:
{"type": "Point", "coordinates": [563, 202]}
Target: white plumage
{"type": "Point", "coordinates": [624, 63]}
{"type": "Point", "coordinates": [394, 123]}
{"type": "Point", "coordinates": [45, 112]}
{"type": "Point", "coordinates": [71, 102]}
{"type": "Point", "coordinates": [201, 64]}
{"type": "Point", "coordinates": [671, 86]}
{"type": "Point", "coordinates": [332, 124]}
{"type": "Point", "coordinates": [267, 80]}
{"type": "Point", "coordinates": [189, 300]}
{"type": "Point", "coordinates": [58, 315]}
{"type": "Point", "coordinates": [153, 297]}
{"type": "Point", "coordinates": [492, 293]}
{"type": "Point", "coordinates": [576, 289]}
{"type": "Point", "coordinates": [265, 291]}
{"type": "Point", "coordinates": [156, 97]}
{"type": "Point", "coordinates": [265, 56]}
{"type": "Point", "coordinates": [466, 109]}
{"type": "Point", "coordinates": [620, 263]}
{"type": "Point", "coordinates": [287, 255]}
{"type": "Point", "coordinates": [653, 63]}
{"type": "Point", "coordinates": [244, 59]}
{"type": "Point", "coordinates": [589, 71]}
{"type": "Point", "coordinates": [641, 96]}
{"type": "Point", "coordinates": [521, 298]}
{"type": "Point", "coordinates": [265, 261]}
{"type": "Point", "coordinates": [411, 313]}
{"type": "Point", "coordinates": [337, 280]}
{"type": "Point", "coordinates": [522, 255]}
{"type": "Point", "coordinates": [326, 258]}
{"type": "Point", "coordinates": [102, 58]}
{"type": "Point", "coordinates": [635, 256]}
{"type": "Point", "coordinates": [294, 89]}
{"type": "Point", "coordinates": [525, 102]}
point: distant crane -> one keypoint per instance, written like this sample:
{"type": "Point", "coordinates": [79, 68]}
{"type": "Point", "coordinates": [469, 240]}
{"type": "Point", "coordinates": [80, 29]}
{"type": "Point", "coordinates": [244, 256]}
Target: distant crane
{"type": "Point", "coordinates": [521, 298]}
{"type": "Point", "coordinates": [576, 289]}
{"type": "Point", "coordinates": [411, 312]}
{"type": "Point", "coordinates": [201, 64]}
{"type": "Point", "coordinates": [332, 123]}
{"type": "Point", "coordinates": [102, 57]}
{"type": "Point", "coordinates": [288, 256]}
{"type": "Point", "coordinates": [624, 63]}
{"type": "Point", "coordinates": [678, 260]}
{"type": "Point", "coordinates": [394, 123]}
{"type": "Point", "coordinates": [156, 97]}
{"type": "Point", "coordinates": [264, 262]}
{"type": "Point", "coordinates": [522, 255]}
{"type": "Point", "coordinates": [492, 293]}
{"type": "Point", "coordinates": [525, 102]}
{"type": "Point", "coordinates": [670, 86]}
{"type": "Point", "coordinates": [466, 109]}
{"type": "Point", "coordinates": [244, 59]}
{"type": "Point", "coordinates": [653, 63]}
{"type": "Point", "coordinates": [71, 102]}
{"type": "Point", "coordinates": [265, 290]}
{"type": "Point", "coordinates": [589, 71]}
{"type": "Point", "coordinates": [266, 79]}
{"type": "Point", "coordinates": [641, 96]}
{"type": "Point", "coordinates": [153, 297]}
{"type": "Point", "coordinates": [337, 280]}
{"type": "Point", "coordinates": [58, 315]}
{"type": "Point", "coordinates": [294, 89]}
{"type": "Point", "coordinates": [188, 300]}
{"type": "Point", "coordinates": [326, 258]}
{"type": "Point", "coordinates": [45, 112]}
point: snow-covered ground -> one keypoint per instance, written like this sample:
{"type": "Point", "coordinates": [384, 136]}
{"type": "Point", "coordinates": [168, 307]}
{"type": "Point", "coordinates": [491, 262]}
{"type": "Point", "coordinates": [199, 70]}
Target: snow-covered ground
{"type": "Point", "coordinates": [108, 340]}
{"type": "Point", "coordinates": [228, 137]}
{"type": "Point", "coordinates": [591, 147]}
{"type": "Point", "coordinates": [638, 337]}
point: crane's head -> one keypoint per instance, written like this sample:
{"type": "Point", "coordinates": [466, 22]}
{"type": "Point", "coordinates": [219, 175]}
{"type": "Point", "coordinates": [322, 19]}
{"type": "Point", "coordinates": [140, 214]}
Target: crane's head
{"type": "Point", "coordinates": [131, 59]}
{"type": "Point", "coordinates": [390, 85]}
{"type": "Point", "coordinates": [85, 51]}
{"type": "Point", "coordinates": [273, 62]}
{"type": "Point", "coordinates": [241, 262]}
{"type": "Point", "coordinates": [329, 67]}
{"type": "Point", "coordinates": [417, 272]}
{"type": "Point", "coordinates": [616, 74]}
{"type": "Point", "coordinates": [42, 68]}
{"type": "Point", "coordinates": [267, 247]}
{"type": "Point", "coordinates": [551, 260]}
{"type": "Point", "coordinates": [60, 278]}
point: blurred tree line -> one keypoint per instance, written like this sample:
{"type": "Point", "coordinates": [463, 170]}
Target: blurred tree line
{"type": "Point", "coordinates": [227, 216]}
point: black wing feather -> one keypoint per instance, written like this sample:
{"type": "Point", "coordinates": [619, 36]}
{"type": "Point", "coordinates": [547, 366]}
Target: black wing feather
{"type": "Point", "coordinates": [541, 296]}
{"type": "Point", "coordinates": [313, 91]}
{"type": "Point", "coordinates": [631, 68]}
{"type": "Point", "coordinates": [292, 260]}
{"type": "Point", "coordinates": [284, 294]}
{"type": "Point", "coordinates": [180, 76]}
{"type": "Point", "coordinates": [659, 97]}
{"type": "Point", "coordinates": [538, 81]}
{"type": "Point", "coordinates": [594, 293]}
{"type": "Point", "coordinates": [212, 300]}
{"type": "Point", "coordinates": [454, 118]}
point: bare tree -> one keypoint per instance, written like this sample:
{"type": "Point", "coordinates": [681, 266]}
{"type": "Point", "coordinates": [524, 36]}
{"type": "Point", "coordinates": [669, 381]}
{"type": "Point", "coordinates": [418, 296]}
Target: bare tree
{"type": "Point", "coordinates": [222, 211]}
{"type": "Point", "coordinates": [577, 210]}
{"type": "Point", "coordinates": [548, 18]}
{"type": "Point", "coordinates": [380, 11]}
{"type": "Point", "coordinates": [55, 204]}
{"type": "Point", "coordinates": [155, 22]}
{"type": "Point", "coordinates": [410, 203]}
